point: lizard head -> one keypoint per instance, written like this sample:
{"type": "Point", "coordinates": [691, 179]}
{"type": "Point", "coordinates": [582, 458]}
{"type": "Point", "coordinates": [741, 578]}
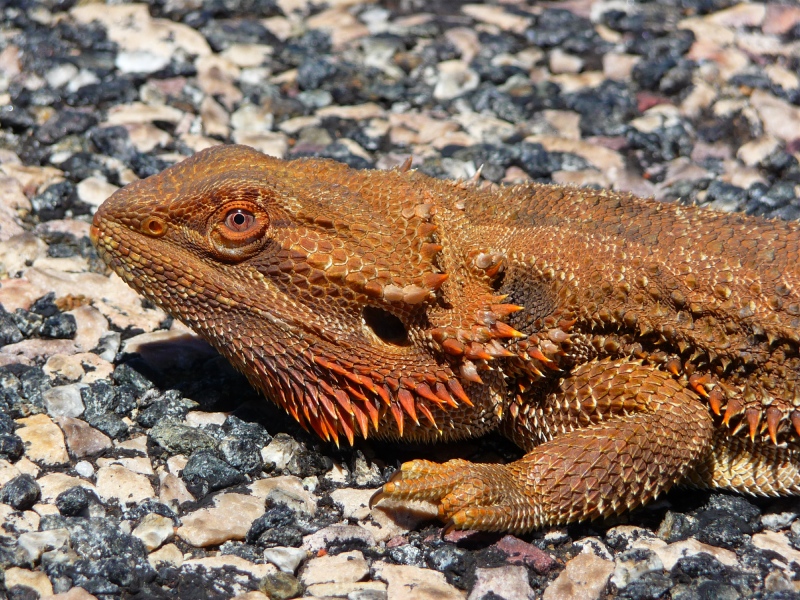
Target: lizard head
{"type": "Point", "coordinates": [324, 285]}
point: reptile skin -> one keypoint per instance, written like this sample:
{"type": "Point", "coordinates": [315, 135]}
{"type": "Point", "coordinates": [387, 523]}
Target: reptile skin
{"type": "Point", "coordinates": [626, 345]}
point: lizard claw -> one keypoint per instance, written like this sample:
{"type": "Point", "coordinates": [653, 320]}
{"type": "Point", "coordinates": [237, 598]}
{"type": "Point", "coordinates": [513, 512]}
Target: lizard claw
{"type": "Point", "coordinates": [376, 498]}
{"type": "Point", "coordinates": [448, 528]}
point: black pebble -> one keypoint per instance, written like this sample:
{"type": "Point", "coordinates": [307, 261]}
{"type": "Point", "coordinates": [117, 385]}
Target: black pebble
{"type": "Point", "coordinates": [73, 502]}
{"type": "Point", "coordinates": [11, 446]}
{"type": "Point", "coordinates": [21, 493]}
{"type": "Point", "coordinates": [204, 473]}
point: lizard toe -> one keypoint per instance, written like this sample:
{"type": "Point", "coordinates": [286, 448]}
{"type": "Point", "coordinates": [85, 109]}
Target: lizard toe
{"type": "Point", "coordinates": [467, 495]}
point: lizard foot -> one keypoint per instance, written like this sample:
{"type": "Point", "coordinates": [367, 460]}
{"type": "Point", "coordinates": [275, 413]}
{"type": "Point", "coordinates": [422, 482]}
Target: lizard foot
{"type": "Point", "coordinates": [468, 495]}
{"type": "Point", "coordinates": [616, 464]}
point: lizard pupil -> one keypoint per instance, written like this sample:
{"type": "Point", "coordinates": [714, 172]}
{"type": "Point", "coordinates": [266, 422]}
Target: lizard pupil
{"type": "Point", "coordinates": [239, 220]}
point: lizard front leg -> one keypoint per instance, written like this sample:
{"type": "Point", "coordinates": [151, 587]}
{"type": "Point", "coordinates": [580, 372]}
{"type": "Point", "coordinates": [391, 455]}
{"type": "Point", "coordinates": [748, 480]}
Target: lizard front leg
{"type": "Point", "coordinates": [646, 432]}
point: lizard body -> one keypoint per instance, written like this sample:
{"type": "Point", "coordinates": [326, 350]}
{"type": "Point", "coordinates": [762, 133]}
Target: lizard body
{"type": "Point", "coordinates": [626, 345]}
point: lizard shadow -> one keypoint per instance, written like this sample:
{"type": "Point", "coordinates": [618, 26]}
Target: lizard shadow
{"type": "Point", "coordinates": [182, 361]}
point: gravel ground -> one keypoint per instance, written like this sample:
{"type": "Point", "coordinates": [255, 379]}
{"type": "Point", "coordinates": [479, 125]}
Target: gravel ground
{"type": "Point", "coordinates": [134, 463]}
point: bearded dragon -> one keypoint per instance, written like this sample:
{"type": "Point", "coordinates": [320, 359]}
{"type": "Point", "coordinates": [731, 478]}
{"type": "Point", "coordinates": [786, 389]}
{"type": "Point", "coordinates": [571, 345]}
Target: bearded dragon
{"type": "Point", "coordinates": [625, 345]}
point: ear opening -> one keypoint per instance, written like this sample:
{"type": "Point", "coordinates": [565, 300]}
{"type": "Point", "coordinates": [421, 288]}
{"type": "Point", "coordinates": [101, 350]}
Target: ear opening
{"type": "Point", "coordinates": [387, 327]}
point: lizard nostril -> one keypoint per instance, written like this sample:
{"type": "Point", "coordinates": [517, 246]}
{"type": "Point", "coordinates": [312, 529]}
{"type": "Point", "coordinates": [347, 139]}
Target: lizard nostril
{"type": "Point", "coordinates": [154, 226]}
{"type": "Point", "coordinates": [386, 326]}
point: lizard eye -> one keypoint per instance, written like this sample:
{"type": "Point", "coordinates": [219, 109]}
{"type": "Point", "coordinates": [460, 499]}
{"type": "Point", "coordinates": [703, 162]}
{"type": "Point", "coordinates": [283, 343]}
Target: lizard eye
{"type": "Point", "coordinates": [239, 220]}
{"type": "Point", "coordinates": [238, 230]}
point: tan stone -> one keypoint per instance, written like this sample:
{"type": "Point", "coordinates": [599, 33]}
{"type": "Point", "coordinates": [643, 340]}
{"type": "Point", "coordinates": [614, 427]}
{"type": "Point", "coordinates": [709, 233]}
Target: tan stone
{"type": "Point", "coordinates": [85, 367]}
{"type": "Point", "coordinates": [619, 66]}
{"type": "Point", "coordinates": [44, 441]}
{"type": "Point", "coordinates": [35, 580]}
{"type": "Point", "coordinates": [13, 199]}
{"type": "Point", "coordinates": [359, 112]}
{"type": "Point", "coordinates": [561, 62]}
{"type": "Point", "coordinates": [12, 202]}
{"type": "Point", "coordinates": [416, 128]}
{"type": "Point", "coordinates": [740, 15]}
{"type": "Point", "coordinates": [509, 581]}
{"type": "Point", "coordinates": [137, 444]}
{"type": "Point", "coordinates": [415, 583]}
{"type": "Point", "coordinates": [788, 80]}
{"type": "Point", "coordinates": [343, 27]}
{"type": "Point", "coordinates": [216, 76]}
{"type": "Point", "coordinates": [68, 264]}
{"type": "Point", "coordinates": [781, 119]}
{"type": "Point", "coordinates": [485, 128]}
{"type": "Point", "coordinates": [115, 482]}
{"type": "Point", "coordinates": [172, 490]}
{"type": "Point", "coordinates": [7, 472]}
{"type": "Point", "coordinates": [455, 79]}
{"type": "Point", "coordinates": [354, 502]}
{"type": "Point", "coordinates": [169, 554]}
{"type": "Point", "coordinates": [91, 326]}
{"type": "Point", "coordinates": [35, 543]}
{"type": "Point", "coordinates": [757, 44]}
{"type": "Point", "coordinates": [780, 18]}
{"type": "Point", "coordinates": [132, 28]}
{"type": "Point", "coordinates": [285, 488]}
{"type": "Point", "coordinates": [347, 589]}
{"type": "Point", "coordinates": [154, 530]}
{"type": "Point", "coordinates": [671, 553]}
{"type": "Point", "coordinates": [247, 55]}
{"type": "Point", "coordinates": [465, 40]}
{"type": "Point", "coordinates": [37, 350]}
{"type": "Point", "coordinates": [565, 122]}
{"type": "Point", "coordinates": [583, 578]}
{"type": "Point", "coordinates": [344, 567]}
{"type": "Point", "coordinates": [196, 418]}
{"type": "Point", "coordinates": [778, 543]}
{"type": "Point", "coordinates": [64, 400]}
{"type": "Point", "coordinates": [754, 151]}
{"type": "Point", "coordinates": [229, 560]}
{"type": "Point", "coordinates": [112, 296]}
{"type": "Point", "coordinates": [137, 464]}
{"type": "Point", "coordinates": [33, 179]}
{"type": "Point", "coordinates": [294, 125]}
{"type": "Point", "coordinates": [498, 16]}
{"type": "Point", "coordinates": [45, 509]}
{"type": "Point", "coordinates": [216, 120]}
{"type": "Point", "coordinates": [582, 178]}
{"type": "Point", "coordinates": [18, 293]}
{"type": "Point", "coordinates": [15, 522]}
{"type": "Point", "coordinates": [602, 158]}
{"type": "Point", "coordinates": [18, 251]}
{"type": "Point", "coordinates": [271, 143]}
{"type": "Point", "coordinates": [285, 558]}
{"type": "Point", "coordinates": [251, 596]}
{"type": "Point", "coordinates": [94, 190]}
{"type": "Point", "coordinates": [176, 464]}
{"type": "Point", "coordinates": [229, 519]}
{"type": "Point", "coordinates": [55, 483]}
{"type": "Point", "coordinates": [146, 137]}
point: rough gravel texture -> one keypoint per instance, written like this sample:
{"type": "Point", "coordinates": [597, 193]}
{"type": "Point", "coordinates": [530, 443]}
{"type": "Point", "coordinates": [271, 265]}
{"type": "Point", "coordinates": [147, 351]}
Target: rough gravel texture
{"type": "Point", "coordinates": [134, 463]}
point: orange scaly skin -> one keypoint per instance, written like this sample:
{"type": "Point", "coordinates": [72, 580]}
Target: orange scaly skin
{"type": "Point", "coordinates": [626, 345]}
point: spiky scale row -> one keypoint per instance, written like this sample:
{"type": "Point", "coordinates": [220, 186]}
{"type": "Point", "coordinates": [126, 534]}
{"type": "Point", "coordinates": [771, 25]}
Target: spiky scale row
{"type": "Point", "coordinates": [355, 401]}
{"type": "Point", "coordinates": [743, 404]}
